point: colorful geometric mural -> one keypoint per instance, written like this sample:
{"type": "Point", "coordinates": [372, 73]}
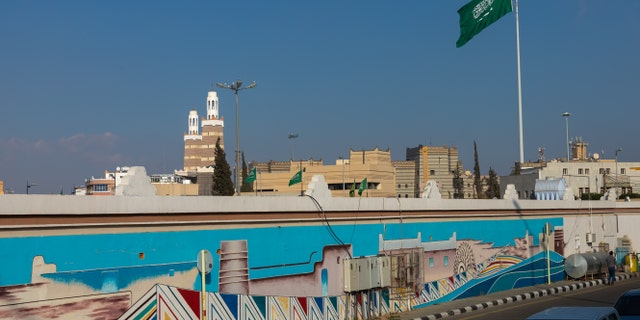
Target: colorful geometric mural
{"type": "Point", "coordinates": [164, 302]}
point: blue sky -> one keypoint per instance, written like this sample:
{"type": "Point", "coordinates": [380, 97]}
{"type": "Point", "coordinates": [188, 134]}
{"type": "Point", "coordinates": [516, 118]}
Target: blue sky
{"type": "Point", "coordinates": [86, 86]}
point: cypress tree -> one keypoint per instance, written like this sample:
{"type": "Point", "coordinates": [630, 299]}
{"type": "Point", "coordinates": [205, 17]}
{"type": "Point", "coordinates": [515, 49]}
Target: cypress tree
{"type": "Point", "coordinates": [477, 182]}
{"type": "Point", "coordinates": [222, 184]}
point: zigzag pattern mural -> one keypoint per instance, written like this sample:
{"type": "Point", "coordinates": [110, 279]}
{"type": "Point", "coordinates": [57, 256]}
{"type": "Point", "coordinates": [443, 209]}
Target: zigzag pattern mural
{"type": "Point", "coordinates": [165, 302]}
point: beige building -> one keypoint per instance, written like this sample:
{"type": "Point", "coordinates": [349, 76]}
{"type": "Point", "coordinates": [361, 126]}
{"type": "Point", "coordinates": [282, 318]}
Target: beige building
{"type": "Point", "coordinates": [385, 178]}
{"type": "Point", "coordinates": [374, 165]}
{"type": "Point", "coordinates": [173, 185]}
{"type": "Point", "coordinates": [405, 178]}
{"type": "Point", "coordinates": [439, 164]}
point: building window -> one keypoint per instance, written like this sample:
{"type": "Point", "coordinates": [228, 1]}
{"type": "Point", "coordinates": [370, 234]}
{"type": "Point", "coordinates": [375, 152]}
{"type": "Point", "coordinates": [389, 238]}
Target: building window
{"type": "Point", "coordinates": [623, 171]}
{"type": "Point", "coordinates": [406, 185]}
{"type": "Point", "coordinates": [432, 172]}
{"type": "Point", "coordinates": [431, 262]}
{"type": "Point", "coordinates": [446, 261]}
{"type": "Point", "coordinates": [580, 171]}
{"type": "Point", "coordinates": [601, 171]}
{"type": "Point", "coordinates": [608, 170]}
{"type": "Point", "coordinates": [586, 171]}
{"type": "Point", "coordinates": [565, 171]}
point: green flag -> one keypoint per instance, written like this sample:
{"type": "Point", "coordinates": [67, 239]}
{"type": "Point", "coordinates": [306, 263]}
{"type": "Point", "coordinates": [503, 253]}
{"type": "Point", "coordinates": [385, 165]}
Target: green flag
{"type": "Point", "coordinates": [363, 186]}
{"type": "Point", "coordinates": [297, 178]}
{"type": "Point", "coordinates": [352, 192]}
{"type": "Point", "coordinates": [479, 14]}
{"type": "Point", "coordinates": [251, 177]}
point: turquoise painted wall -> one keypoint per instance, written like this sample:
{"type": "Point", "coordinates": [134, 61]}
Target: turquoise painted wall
{"type": "Point", "coordinates": [83, 257]}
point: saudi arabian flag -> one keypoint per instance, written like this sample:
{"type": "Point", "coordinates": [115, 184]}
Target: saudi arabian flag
{"type": "Point", "coordinates": [479, 14]}
{"type": "Point", "coordinates": [297, 178]}
{"type": "Point", "coordinates": [352, 191]}
{"type": "Point", "coordinates": [251, 177]}
{"type": "Point", "coordinates": [363, 186]}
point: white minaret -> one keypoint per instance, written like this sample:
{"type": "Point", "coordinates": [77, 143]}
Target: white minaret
{"type": "Point", "coordinates": [212, 105]}
{"type": "Point", "coordinates": [193, 122]}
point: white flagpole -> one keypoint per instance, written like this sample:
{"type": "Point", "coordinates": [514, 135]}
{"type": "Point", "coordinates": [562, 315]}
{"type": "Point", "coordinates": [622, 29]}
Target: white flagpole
{"type": "Point", "coordinates": [519, 86]}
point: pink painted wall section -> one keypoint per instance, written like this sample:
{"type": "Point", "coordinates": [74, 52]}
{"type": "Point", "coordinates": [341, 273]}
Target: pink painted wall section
{"type": "Point", "coordinates": [96, 306]}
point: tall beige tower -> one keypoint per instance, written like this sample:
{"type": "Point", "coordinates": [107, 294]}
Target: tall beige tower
{"type": "Point", "coordinates": [436, 163]}
{"type": "Point", "coordinates": [199, 146]}
{"type": "Point", "coordinates": [579, 149]}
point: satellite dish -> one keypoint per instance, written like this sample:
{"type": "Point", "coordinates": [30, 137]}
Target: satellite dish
{"type": "Point", "coordinates": [596, 156]}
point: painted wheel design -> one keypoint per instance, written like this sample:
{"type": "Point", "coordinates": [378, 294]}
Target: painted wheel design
{"type": "Point", "coordinates": [464, 258]}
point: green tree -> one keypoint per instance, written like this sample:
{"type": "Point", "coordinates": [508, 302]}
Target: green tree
{"type": "Point", "coordinates": [477, 182]}
{"type": "Point", "coordinates": [493, 186]}
{"type": "Point", "coordinates": [246, 187]}
{"type": "Point", "coordinates": [222, 184]}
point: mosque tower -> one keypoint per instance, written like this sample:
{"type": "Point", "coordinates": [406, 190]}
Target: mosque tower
{"type": "Point", "coordinates": [200, 146]}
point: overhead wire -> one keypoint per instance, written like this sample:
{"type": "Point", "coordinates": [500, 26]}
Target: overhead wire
{"type": "Point", "coordinates": [327, 225]}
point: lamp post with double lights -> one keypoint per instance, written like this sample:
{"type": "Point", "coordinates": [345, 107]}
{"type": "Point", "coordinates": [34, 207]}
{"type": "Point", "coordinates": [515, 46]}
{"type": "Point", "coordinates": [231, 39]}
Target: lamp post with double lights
{"type": "Point", "coordinates": [235, 87]}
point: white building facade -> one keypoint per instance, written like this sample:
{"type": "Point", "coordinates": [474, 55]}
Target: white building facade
{"type": "Point", "coordinates": [597, 176]}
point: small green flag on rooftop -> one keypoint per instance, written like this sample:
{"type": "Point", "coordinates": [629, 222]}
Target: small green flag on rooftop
{"type": "Point", "coordinates": [297, 178]}
{"type": "Point", "coordinates": [363, 186]}
{"type": "Point", "coordinates": [476, 15]}
{"type": "Point", "coordinates": [352, 191]}
{"type": "Point", "coordinates": [251, 177]}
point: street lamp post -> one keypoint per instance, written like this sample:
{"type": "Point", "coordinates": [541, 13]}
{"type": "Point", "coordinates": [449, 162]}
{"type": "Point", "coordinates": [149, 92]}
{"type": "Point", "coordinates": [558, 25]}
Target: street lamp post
{"type": "Point", "coordinates": [291, 137]}
{"type": "Point", "coordinates": [566, 124]}
{"type": "Point", "coordinates": [617, 180]}
{"type": "Point", "coordinates": [235, 87]}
